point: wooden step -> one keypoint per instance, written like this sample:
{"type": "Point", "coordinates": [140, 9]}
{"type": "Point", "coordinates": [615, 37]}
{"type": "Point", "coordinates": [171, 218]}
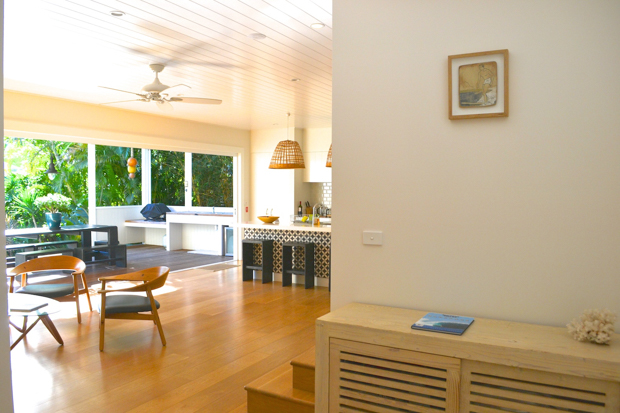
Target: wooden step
{"type": "Point", "coordinates": [274, 392]}
{"type": "Point", "coordinates": [303, 371]}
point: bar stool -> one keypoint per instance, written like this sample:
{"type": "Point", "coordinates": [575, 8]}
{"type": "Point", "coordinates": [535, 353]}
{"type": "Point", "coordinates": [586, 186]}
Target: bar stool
{"type": "Point", "coordinates": [266, 266]}
{"type": "Point", "coordinates": [287, 263]}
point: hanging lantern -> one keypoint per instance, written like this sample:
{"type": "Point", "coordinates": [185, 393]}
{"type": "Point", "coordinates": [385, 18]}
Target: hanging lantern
{"type": "Point", "coordinates": [287, 154]}
{"type": "Point", "coordinates": [132, 166]}
{"type": "Point", "coordinates": [329, 158]}
{"type": "Point", "coordinates": [51, 171]}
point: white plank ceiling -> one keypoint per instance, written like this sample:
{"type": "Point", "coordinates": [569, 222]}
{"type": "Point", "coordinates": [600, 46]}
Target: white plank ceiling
{"type": "Point", "coordinates": [68, 48]}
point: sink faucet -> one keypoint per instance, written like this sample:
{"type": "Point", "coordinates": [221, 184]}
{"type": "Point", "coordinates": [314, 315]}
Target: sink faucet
{"type": "Point", "coordinates": [315, 217]}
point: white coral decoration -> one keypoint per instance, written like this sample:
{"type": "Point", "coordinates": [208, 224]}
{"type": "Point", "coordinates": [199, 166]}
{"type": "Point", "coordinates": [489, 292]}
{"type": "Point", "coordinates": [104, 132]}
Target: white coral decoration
{"type": "Point", "coordinates": [593, 325]}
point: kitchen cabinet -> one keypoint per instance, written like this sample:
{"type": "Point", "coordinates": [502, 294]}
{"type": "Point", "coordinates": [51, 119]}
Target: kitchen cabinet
{"type": "Point", "coordinates": [316, 171]}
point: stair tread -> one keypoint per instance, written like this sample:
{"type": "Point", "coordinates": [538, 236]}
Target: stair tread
{"type": "Point", "coordinates": [279, 383]}
{"type": "Point", "coordinates": [306, 359]}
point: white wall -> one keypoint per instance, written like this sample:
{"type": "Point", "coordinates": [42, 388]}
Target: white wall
{"type": "Point", "coordinates": [316, 149]}
{"type": "Point", "coordinates": [117, 216]}
{"type": "Point", "coordinates": [6, 389]}
{"type": "Point", "coordinates": [512, 218]}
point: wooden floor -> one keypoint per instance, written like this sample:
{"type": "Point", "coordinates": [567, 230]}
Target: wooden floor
{"type": "Point", "coordinates": [145, 256]}
{"type": "Point", "coordinates": [222, 333]}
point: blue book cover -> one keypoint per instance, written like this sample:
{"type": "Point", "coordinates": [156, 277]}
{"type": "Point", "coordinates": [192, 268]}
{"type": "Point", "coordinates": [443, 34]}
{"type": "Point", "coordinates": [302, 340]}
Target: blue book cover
{"type": "Point", "coordinates": [443, 323]}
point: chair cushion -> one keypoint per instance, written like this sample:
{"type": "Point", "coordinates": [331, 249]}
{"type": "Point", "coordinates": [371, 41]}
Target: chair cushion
{"type": "Point", "coordinates": [127, 303]}
{"type": "Point", "coordinates": [47, 290]}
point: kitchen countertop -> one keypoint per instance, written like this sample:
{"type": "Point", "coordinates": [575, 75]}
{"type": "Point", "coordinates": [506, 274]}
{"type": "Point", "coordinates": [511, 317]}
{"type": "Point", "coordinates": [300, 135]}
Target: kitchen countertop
{"type": "Point", "coordinates": [208, 214]}
{"type": "Point", "coordinates": [284, 226]}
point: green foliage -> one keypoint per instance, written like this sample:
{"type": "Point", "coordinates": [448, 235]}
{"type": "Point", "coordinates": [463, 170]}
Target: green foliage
{"type": "Point", "coordinates": [212, 180]}
{"type": "Point", "coordinates": [168, 177]}
{"type": "Point", "coordinates": [25, 180]}
{"type": "Point", "coordinates": [26, 161]}
{"type": "Point", "coordinates": [53, 203]}
{"type": "Point", "coordinates": [114, 187]}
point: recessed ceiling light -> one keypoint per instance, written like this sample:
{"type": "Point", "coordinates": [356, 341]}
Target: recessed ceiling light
{"type": "Point", "coordinates": [317, 25]}
{"type": "Point", "coordinates": [295, 79]}
{"type": "Point", "coordinates": [117, 13]}
{"type": "Point", "coordinates": [257, 36]}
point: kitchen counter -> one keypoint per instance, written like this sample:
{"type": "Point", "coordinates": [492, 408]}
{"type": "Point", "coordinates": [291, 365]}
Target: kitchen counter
{"type": "Point", "coordinates": [287, 231]}
{"type": "Point", "coordinates": [289, 226]}
{"type": "Point", "coordinates": [203, 214]}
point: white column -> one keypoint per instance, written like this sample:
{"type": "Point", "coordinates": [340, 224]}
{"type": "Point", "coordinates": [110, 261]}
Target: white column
{"type": "Point", "coordinates": [6, 390]}
{"type": "Point", "coordinates": [145, 167]}
{"type": "Point", "coordinates": [92, 184]}
{"type": "Point", "coordinates": [188, 179]}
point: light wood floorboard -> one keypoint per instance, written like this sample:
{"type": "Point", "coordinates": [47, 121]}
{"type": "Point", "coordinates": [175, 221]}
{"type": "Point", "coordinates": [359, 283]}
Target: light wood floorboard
{"type": "Point", "coordinates": [222, 333]}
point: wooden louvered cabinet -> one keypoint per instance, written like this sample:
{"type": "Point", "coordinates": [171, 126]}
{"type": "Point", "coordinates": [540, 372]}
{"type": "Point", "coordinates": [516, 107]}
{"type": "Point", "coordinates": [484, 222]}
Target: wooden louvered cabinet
{"type": "Point", "coordinates": [369, 360]}
{"type": "Point", "coordinates": [365, 377]}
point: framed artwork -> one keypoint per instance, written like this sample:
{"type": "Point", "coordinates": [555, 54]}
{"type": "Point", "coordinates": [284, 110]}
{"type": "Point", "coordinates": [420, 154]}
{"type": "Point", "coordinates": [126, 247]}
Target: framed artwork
{"type": "Point", "coordinates": [478, 85]}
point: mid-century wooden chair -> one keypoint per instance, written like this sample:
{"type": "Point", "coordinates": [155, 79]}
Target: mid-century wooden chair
{"type": "Point", "coordinates": [130, 306]}
{"type": "Point", "coordinates": [52, 290]}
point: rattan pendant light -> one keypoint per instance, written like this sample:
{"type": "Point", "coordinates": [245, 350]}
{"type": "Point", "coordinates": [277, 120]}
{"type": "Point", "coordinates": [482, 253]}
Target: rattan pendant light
{"type": "Point", "coordinates": [287, 154]}
{"type": "Point", "coordinates": [329, 157]}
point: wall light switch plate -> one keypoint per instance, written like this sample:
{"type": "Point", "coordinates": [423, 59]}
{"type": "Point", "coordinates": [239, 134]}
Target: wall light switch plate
{"type": "Point", "coordinates": [372, 237]}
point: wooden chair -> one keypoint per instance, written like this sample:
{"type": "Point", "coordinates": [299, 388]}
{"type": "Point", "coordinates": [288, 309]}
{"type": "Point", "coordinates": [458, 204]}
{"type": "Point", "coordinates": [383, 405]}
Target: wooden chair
{"type": "Point", "coordinates": [130, 306]}
{"type": "Point", "coordinates": [52, 290]}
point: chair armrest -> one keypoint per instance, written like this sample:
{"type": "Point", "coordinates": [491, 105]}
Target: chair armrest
{"type": "Point", "coordinates": [134, 276]}
{"type": "Point", "coordinates": [137, 288]}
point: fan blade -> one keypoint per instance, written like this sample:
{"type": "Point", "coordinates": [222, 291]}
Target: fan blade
{"type": "Point", "coordinates": [164, 105]}
{"type": "Point", "coordinates": [121, 101]}
{"type": "Point", "coordinates": [203, 101]}
{"type": "Point", "coordinates": [124, 91]}
{"type": "Point", "coordinates": [180, 84]}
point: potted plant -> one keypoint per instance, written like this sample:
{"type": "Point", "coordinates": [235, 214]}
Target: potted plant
{"type": "Point", "coordinates": [54, 205]}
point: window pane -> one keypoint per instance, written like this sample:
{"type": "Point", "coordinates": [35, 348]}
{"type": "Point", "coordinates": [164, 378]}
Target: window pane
{"type": "Point", "coordinates": [212, 180]}
{"type": "Point", "coordinates": [168, 177]}
{"type": "Point", "coordinates": [25, 179]}
{"type": "Point", "coordinates": [114, 187]}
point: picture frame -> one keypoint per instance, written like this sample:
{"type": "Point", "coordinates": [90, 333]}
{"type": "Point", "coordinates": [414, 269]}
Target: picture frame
{"type": "Point", "coordinates": [478, 85]}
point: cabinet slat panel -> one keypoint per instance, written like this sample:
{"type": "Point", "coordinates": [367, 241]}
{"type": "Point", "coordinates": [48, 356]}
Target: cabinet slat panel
{"type": "Point", "coordinates": [370, 378]}
{"type": "Point", "coordinates": [379, 381]}
{"type": "Point", "coordinates": [353, 406]}
{"type": "Point", "coordinates": [382, 391]}
{"type": "Point", "coordinates": [540, 377]}
{"type": "Point", "coordinates": [509, 405]}
{"type": "Point", "coordinates": [482, 409]}
{"type": "Point", "coordinates": [426, 381]}
{"type": "Point", "coordinates": [528, 398]}
{"type": "Point", "coordinates": [504, 388]}
{"type": "Point", "coordinates": [390, 353]}
{"type": "Point", "coordinates": [409, 368]}
{"type": "Point", "coordinates": [525, 386]}
{"type": "Point", "coordinates": [373, 402]}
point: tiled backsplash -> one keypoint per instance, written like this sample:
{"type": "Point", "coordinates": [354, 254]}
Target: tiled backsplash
{"type": "Point", "coordinates": [323, 193]}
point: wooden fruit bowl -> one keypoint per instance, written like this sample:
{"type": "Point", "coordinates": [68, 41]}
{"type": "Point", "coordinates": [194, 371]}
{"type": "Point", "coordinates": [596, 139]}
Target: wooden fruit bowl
{"type": "Point", "coordinates": [268, 220]}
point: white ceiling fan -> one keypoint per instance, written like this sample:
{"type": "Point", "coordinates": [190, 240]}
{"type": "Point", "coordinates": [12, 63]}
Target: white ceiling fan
{"type": "Point", "coordinates": [154, 92]}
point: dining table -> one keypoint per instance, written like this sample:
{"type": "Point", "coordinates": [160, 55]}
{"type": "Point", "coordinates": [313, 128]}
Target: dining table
{"type": "Point", "coordinates": [85, 251]}
{"type": "Point", "coordinates": [84, 231]}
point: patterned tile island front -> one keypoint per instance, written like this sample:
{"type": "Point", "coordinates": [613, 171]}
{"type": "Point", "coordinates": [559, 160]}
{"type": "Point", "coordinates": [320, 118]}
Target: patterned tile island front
{"type": "Point", "coordinates": [320, 236]}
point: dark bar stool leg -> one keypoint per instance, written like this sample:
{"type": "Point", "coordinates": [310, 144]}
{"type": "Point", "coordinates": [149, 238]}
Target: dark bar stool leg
{"type": "Point", "coordinates": [248, 259]}
{"type": "Point", "coordinates": [309, 266]}
{"type": "Point", "coordinates": [267, 261]}
{"type": "Point", "coordinates": [287, 265]}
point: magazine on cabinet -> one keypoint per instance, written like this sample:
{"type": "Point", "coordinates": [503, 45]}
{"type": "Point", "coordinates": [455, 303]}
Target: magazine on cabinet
{"type": "Point", "coordinates": [443, 323]}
